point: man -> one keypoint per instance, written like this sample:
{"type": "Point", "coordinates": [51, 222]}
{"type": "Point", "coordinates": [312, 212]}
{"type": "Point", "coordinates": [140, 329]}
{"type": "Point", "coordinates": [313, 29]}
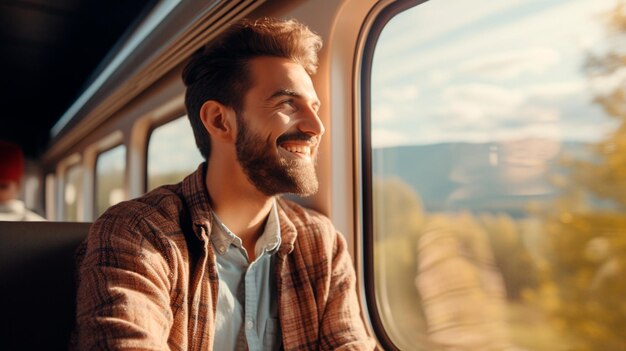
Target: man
{"type": "Point", "coordinates": [220, 261]}
{"type": "Point", "coordinates": [11, 174]}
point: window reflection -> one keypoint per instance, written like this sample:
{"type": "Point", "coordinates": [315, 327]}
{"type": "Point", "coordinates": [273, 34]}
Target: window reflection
{"type": "Point", "coordinates": [498, 175]}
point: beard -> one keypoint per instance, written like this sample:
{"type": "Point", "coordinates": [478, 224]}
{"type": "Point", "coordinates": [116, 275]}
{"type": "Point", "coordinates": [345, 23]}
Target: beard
{"type": "Point", "coordinates": [271, 173]}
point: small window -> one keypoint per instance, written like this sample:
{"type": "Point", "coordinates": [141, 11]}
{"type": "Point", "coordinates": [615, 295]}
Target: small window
{"type": "Point", "coordinates": [72, 192]}
{"type": "Point", "coordinates": [495, 211]}
{"type": "Point", "coordinates": [32, 193]}
{"type": "Point", "coordinates": [172, 153]}
{"type": "Point", "coordinates": [110, 171]}
{"type": "Point", "coordinates": [51, 196]}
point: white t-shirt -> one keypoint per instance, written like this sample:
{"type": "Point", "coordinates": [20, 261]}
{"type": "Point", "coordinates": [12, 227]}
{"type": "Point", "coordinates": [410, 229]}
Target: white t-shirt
{"type": "Point", "coordinates": [15, 210]}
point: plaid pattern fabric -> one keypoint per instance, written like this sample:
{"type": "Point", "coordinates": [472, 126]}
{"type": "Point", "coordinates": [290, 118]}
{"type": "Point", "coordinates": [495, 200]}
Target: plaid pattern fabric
{"type": "Point", "coordinates": [148, 281]}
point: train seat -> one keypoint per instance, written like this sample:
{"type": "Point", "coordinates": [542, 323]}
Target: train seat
{"type": "Point", "coordinates": [37, 283]}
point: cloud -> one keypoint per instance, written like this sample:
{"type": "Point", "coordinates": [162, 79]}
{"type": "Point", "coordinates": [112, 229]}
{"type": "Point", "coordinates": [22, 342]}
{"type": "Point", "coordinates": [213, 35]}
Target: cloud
{"type": "Point", "coordinates": [400, 93]}
{"type": "Point", "coordinates": [563, 27]}
{"type": "Point", "coordinates": [383, 113]}
{"type": "Point", "coordinates": [605, 84]}
{"type": "Point", "coordinates": [387, 138]}
{"type": "Point", "coordinates": [482, 80]}
{"type": "Point", "coordinates": [440, 76]}
{"type": "Point", "coordinates": [424, 22]}
{"type": "Point", "coordinates": [511, 64]}
{"type": "Point", "coordinates": [394, 103]}
{"type": "Point", "coordinates": [535, 113]}
{"type": "Point", "coordinates": [475, 102]}
{"type": "Point", "coordinates": [556, 91]}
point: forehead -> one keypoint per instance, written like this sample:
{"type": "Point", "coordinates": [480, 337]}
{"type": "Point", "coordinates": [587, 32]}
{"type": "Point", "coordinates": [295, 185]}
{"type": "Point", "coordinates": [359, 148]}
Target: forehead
{"type": "Point", "coordinates": [269, 74]}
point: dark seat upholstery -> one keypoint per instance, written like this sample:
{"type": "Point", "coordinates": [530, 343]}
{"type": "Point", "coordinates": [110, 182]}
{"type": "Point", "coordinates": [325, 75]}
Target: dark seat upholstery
{"type": "Point", "coordinates": [37, 283]}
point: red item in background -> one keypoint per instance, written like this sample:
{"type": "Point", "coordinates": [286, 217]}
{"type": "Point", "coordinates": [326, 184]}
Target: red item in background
{"type": "Point", "coordinates": [11, 162]}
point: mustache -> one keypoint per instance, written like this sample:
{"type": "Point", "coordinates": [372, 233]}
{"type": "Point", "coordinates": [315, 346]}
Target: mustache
{"type": "Point", "coordinates": [297, 136]}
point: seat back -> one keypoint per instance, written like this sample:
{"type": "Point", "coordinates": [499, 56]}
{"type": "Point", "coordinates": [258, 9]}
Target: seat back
{"type": "Point", "coordinates": [37, 283]}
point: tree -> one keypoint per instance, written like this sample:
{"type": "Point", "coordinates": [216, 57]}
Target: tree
{"type": "Point", "coordinates": [586, 232]}
{"type": "Point", "coordinates": [398, 220]}
{"type": "Point", "coordinates": [512, 258]}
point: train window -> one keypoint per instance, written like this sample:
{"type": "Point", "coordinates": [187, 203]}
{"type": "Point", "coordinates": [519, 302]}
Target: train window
{"type": "Point", "coordinates": [50, 196]}
{"type": "Point", "coordinates": [110, 171]}
{"type": "Point", "coordinates": [72, 192]}
{"type": "Point", "coordinates": [493, 143]}
{"type": "Point", "coordinates": [172, 153]}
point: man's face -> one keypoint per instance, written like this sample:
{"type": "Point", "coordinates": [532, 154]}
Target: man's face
{"type": "Point", "coordinates": [278, 129]}
{"type": "Point", "coordinates": [9, 190]}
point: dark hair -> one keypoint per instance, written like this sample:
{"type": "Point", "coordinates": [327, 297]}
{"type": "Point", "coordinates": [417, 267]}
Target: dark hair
{"type": "Point", "coordinates": [219, 70]}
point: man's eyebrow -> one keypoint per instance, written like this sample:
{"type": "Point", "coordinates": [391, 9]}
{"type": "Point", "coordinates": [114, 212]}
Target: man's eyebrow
{"type": "Point", "coordinates": [283, 92]}
{"type": "Point", "coordinates": [288, 92]}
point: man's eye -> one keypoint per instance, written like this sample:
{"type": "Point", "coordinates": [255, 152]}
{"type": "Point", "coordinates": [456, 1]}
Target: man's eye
{"type": "Point", "coordinates": [288, 104]}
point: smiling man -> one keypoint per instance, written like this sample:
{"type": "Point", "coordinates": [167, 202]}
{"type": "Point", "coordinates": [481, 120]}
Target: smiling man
{"type": "Point", "coordinates": [221, 261]}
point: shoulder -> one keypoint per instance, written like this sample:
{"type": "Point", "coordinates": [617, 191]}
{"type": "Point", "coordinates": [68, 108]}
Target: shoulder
{"type": "Point", "coordinates": [147, 231]}
{"type": "Point", "coordinates": [303, 217]}
{"type": "Point", "coordinates": [314, 230]}
{"type": "Point", "coordinates": [161, 205]}
{"type": "Point", "coordinates": [153, 216]}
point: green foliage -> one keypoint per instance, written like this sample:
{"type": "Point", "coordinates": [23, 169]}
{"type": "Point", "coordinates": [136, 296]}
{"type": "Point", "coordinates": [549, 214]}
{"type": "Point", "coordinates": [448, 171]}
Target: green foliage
{"type": "Point", "coordinates": [586, 244]}
{"type": "Point", "coordinates": [398, 209]}
{"type": "Point", "coordinates": [398, 219]}
{"type": "Point", "coordinates": [518, 268]}
{"type": "Point", "coordinates": [587, 254]}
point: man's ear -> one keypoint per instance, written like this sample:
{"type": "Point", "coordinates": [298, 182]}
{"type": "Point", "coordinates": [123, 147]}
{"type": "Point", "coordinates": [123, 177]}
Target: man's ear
{"type": "Point", "coordinates": [218, 120]}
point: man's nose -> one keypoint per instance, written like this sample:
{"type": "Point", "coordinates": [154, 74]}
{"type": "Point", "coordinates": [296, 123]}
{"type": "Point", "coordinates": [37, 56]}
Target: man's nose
{"type": "Point", "coordinates": [311, 123]}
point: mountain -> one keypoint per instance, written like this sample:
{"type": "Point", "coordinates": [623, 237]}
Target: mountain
{"type": "Point", "coordinates": [503, 176]}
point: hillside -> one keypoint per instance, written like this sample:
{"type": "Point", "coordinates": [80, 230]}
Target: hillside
{"type": "Point", "coordinates": [478, 176]}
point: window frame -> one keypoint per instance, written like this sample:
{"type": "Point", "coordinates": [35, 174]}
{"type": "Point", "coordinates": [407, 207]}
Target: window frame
{"type": "Point", "coordinates": [384, 16]}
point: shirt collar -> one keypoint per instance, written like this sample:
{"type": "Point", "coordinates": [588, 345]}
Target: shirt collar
{"type": "Point", "coordinates": [269, 241]}
{"type": "Point", "coordinates": [222, 237]}
{"type": "Point", "coordinates": [196, 198]}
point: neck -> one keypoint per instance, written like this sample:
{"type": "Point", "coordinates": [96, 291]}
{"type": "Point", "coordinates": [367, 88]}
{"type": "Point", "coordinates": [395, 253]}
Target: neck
{"type": "Point", "coordinates": [237, 202]}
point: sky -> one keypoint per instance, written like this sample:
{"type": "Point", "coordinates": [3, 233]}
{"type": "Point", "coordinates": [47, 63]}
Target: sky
{"type": "Point", "coordinates": [484, 71]}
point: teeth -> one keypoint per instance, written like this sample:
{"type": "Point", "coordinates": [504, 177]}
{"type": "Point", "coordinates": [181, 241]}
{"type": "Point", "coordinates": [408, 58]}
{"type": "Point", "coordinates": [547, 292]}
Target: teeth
{"type": "Point", "coordinates": [306, 150]}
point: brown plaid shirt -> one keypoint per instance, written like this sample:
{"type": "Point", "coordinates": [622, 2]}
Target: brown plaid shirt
{"type": "Point", "coordinates": [148, 281]}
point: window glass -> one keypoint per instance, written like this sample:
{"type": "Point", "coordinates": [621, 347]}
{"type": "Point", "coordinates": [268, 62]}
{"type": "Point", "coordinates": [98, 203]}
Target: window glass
{"type": "Point", "coordinates": [51, 196]}
{"type": "Point", "coordinates": [110, 170]}
{"type": "Point", "coordinates": [72, 191]}
{"type": "Point", "coordinates": [172, 153]}
{"type": "Point", "coordinates": [498, 136]}
{"type": "Point", "coordinates": [32, 193]}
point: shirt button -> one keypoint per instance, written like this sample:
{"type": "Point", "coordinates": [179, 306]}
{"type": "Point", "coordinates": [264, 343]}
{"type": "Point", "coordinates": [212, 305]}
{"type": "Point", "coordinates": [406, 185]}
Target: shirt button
{"type": "Point", "coordinates": [222, 249]}
{"type": "Point", "coordinates": [249, 324]}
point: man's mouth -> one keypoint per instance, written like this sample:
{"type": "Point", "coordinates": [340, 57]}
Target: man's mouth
{"type": "Point", "coordinates": [297, 148]}
{"type": "Point", "coordinates": [298, 144]}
